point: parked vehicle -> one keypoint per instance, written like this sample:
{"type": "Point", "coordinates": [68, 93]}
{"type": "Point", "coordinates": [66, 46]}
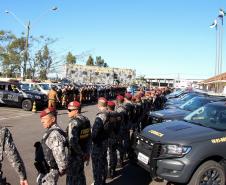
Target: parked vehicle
{"type": "Point", "coordinates": [11, 94]}
{"type": "Point", "coordinates": [191, 151]}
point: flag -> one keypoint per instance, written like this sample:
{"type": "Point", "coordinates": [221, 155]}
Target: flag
{"type": "Point", "coordinates": [222, 13]}
{"type": "Point", "coordinates": [214, 24]}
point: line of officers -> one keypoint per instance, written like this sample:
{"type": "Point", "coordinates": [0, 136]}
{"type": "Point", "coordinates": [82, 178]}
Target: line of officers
{"type": "Point", "coordinates": [84, 94]}
{"type": "Point", "coordinates": [66, 152]}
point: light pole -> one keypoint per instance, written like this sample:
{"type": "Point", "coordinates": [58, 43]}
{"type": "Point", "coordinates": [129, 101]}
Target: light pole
{"type": "Point", "coordinates": [27, 28]}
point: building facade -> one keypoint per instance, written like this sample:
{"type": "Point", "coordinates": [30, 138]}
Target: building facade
{"type": "Point", "coordinates": [82, 74]}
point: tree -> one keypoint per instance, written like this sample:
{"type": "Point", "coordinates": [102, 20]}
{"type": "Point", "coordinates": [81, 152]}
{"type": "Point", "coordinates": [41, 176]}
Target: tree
{"type": "Point", "coordinates": [70, 59]}
{"type": "Point", "coordinates": [100, 62]}
{"type": "Point", "coordinates": [45, 62]}
{"type": "Point", "coordinates": [11, 53]}
{"type": "Point", "coordinates": [90, 61]}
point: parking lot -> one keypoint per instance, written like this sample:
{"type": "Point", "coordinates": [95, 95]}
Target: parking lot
{"type": "Point", "coordinates": [27, 129]}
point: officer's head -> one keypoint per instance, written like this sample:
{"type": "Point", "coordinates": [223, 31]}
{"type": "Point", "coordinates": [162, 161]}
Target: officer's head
{"type": "Point", "coordinates": [48, 117]}
{"type": "Point", "coordinates": [119, 99]}
{"type": "Point", "coordinates": [102, 103]}
{"type": "Point", "coordinates": [74, 108]}
{"type": "Point", "coordinates": [128, 97]}
{"type": "Point", "coordinates": [111, 105]}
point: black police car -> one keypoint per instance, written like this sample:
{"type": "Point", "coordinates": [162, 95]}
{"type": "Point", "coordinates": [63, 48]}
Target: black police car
{"type": "Point", "coordinates": [192, 151]}
{"type": "Point", "coordinates": [183, 110]}
{"type": "Point", "coordinates": [12, 95]}
{"type": "Point", "coordinates": [176, 102]}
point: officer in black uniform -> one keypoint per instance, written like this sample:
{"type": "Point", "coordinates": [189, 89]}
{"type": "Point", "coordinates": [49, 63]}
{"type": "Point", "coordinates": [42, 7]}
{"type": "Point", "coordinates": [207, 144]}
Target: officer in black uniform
{"type": "Point", "coordinates": [121, 109]}
{"type": "Point", "coordinates": [79, 142]}
{"type": "Point", "coordinates": [99, 136]}
{"type": "Point", "coordinates": [115, 121]}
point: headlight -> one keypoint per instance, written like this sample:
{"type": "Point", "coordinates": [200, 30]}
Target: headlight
{"type": "Point", "coordinates": [166, 120]}
{"type": "Point", "coordinates": [174, 150]}
{"type": "Point", "coordinates": [37, 97]}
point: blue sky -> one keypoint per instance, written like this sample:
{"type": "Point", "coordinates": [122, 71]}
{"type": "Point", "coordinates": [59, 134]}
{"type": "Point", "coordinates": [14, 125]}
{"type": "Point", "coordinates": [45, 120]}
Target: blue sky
{"type": "Point", "coordinates": [158, 38]}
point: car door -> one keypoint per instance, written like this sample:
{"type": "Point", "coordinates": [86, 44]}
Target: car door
{"type": "Point", "coordinates": [13, 96]}
{"type": "Point", "coordinates": [2, 93]}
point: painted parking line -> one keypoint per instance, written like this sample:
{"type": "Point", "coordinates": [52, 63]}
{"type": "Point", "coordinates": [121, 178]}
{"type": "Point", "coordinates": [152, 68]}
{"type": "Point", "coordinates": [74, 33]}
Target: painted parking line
{"type": "Point", "coordinates": [6, 114]}
{"type": "Point", "coordinates": [5, 118]}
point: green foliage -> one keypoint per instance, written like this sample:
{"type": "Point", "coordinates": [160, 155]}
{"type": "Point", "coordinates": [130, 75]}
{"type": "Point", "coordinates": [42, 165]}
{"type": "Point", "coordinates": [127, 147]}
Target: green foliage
{"type": "Point", "coordinates": [100, 62]}
{"type": "Point", "coordinates": [70, 59]}
{"type": "Point", "coordinates": [90, 61]}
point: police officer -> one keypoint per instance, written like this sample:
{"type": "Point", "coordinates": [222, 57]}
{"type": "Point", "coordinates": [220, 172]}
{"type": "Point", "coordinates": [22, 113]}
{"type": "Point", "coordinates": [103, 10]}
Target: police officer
{"type": "Point", "coordinates": [121, 109]}
{"type": "Point", "coordinates": [115, 121]}
{"type": "Point", "coordinates": [8, 147]}
{"type": "Point", "coordinates": [79, 140]}
{"type": "Point", "coordinates": [130, 113]}
{"type": "Point", "coordinates": [52, 97]}
{"type": "Point", "coordinates": [99, 139]}
{"type": "Point", "coordinates": [53, 144]}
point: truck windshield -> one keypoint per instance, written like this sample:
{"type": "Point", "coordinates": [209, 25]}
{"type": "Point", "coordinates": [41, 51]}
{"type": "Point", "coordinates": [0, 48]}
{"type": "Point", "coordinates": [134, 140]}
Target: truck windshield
{"type": "Point", "coordinates": [194, 103]}
{"type": "Point", "coordinates": [213, 116]}
{"type": "Point", "coordinates": [45, 86]}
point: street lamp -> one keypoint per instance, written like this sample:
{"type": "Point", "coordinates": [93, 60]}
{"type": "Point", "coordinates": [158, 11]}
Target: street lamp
{"type": "Point", "coordinates": [27, 28]}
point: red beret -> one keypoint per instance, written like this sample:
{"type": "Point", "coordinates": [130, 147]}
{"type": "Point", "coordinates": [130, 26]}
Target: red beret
{"type": "Point", "coordinates": [134, 98]}
{"type": "Point", "coordinates": [119, 97]}
{"type": "Point", "coordinates": [74, 105]}
{"type": "Point", "coordinates": [48, 111]}
{"type": "Point", "coordinates": [111, 104]}
{"type": "Point", "coordinates": [128, 96]}
{"type": "Point", "coordinates": [103, 100]}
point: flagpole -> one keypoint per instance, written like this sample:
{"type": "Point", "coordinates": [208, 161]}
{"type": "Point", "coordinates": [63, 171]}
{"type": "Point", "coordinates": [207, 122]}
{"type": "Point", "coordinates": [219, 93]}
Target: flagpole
{"type": "Point", "coordinates": [221, 47]}
{"type": "Point", "coordinates": [216, 52]}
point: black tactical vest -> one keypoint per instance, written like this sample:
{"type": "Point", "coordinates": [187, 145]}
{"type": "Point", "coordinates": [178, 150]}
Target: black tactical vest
{"type": "Point", "coordinates": [83, 131]}
{"type": "Point", "coordinates": [48, 154]}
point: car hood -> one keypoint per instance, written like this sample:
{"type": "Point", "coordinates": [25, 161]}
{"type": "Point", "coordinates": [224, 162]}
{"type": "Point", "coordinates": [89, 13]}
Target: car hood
{"type": "Point", "coordinates": [174, 101]}
{"type": "Point", "coordinates": [170, 113]}
{"type": "Point", "coordinates": [179, 132]}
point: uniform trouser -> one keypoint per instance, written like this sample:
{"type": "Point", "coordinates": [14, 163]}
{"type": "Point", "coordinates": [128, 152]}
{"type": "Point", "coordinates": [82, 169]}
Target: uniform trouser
{"type": "Point", "coordinates": [112, 144]}
{"type": "Point", "coordinates": [50, 178]}
{"type": "Point", "coordinates": [52, 103]}
{"type": "Point", "coordinates": [99, 164]}
{"type": "Point", "coordinates": [75, 173]}
{"type": "Point", "coordinates": [121, 148]}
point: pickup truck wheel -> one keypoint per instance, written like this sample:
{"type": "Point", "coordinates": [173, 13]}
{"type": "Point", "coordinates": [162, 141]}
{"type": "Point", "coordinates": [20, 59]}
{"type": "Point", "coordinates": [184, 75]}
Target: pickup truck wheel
{"type": "Point", "coordinates": [27, 105]}
{"type": "Point", "coordinates": [209, 172]}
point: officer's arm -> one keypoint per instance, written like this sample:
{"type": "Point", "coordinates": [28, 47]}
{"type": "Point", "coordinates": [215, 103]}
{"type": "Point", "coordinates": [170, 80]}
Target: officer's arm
{"type": "Point", "coordinates": [56, 142]}
{"type": "Point", "coordinates": [13, 155]}
{"type": "Point", "coordinates": [74, 139]}
{"type": "Point", "coordinates": [89, 143]}
{"type": "Point", "coordinates": [97, 130]}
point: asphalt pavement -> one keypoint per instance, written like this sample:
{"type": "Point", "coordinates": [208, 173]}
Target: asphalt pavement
{"type": "Point", "coordinates": [27, 129]}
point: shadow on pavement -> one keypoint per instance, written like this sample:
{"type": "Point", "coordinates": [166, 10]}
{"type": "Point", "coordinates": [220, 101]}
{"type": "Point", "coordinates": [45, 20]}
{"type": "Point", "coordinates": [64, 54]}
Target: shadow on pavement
{"type": "Point", "coordinates": [132, 175]}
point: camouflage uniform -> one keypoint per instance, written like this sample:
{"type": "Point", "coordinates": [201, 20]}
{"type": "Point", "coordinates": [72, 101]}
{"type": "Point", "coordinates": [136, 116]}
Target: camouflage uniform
{"type": "Point", "coordinates": [79, 139]}
{"type": "Point", "coordinates": [7, 145]}
{"type": "Point", "coordinates": [53, 144]}
{"type": "Point", "coordinates": [99, 147]}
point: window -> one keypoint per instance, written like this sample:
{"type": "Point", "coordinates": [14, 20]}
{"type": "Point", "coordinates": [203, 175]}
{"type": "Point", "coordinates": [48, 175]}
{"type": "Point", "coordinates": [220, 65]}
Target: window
{"type": "Point", "coordinates": [2, 87]}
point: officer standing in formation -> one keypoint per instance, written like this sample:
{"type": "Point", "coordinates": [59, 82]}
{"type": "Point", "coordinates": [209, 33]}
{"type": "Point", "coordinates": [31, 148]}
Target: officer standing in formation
{"type": "Point", "coordinates": [8, 147]}
{"type": "Point", "coordinates": [79, 141]}
{"type": "Point", "coordinates": [100, 141]}
{"type": "Point", "coordinates": [53, 144]}
{"type": "Point", "coordinates": [121, 109]}
{"type": "Point", "coordinates": [114, 125]}
{"type": "Point", "coordinates": [52, 97]}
